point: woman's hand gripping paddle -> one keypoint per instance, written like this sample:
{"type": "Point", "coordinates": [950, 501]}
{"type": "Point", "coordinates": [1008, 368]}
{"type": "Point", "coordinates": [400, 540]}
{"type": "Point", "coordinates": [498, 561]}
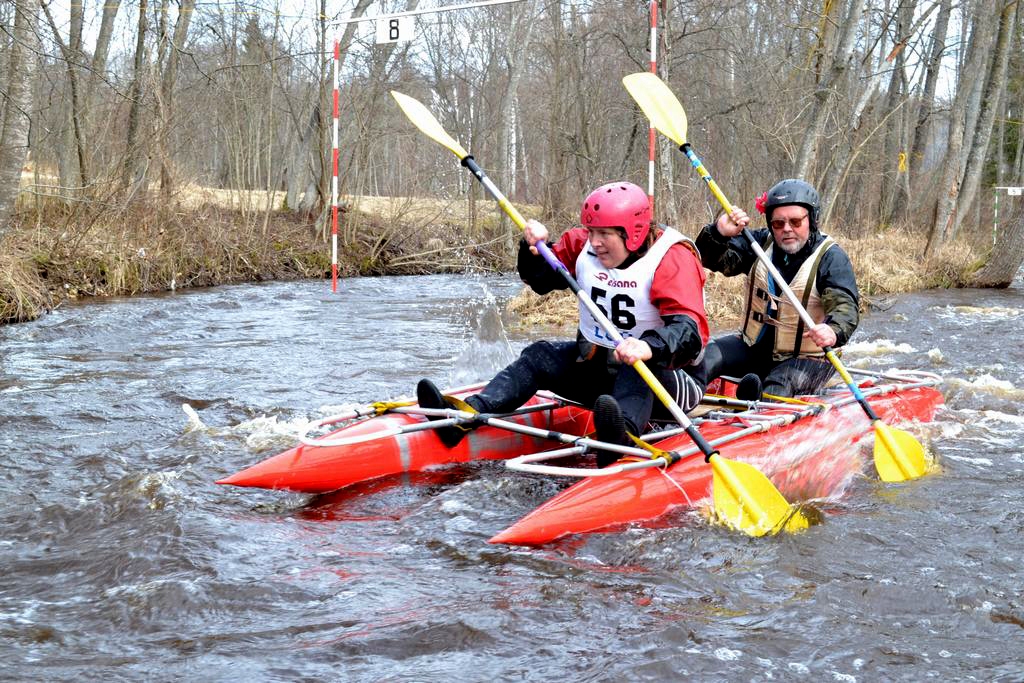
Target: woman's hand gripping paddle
{"type": "Point", "coordinates": [743, 496]}
{"type": "Point", "coordinates": [898, 455]}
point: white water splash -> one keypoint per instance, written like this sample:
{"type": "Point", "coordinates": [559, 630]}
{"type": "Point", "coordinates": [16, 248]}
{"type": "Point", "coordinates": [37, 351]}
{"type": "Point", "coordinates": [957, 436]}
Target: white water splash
{"type": "Point", "coordinates": [985, 313]}
{"type": "Point", "coordinates": [260, 432]}
{"type": "Point", "coordinates": [987, 384]}
{"type": "Point", "coordinates": [142, 590]}
{"type": "Point", "coordinates": [727, 655]}
{"type": "Point", "coordinates": [832, 469]}
{"type": "Point", "coordinates": [489, 349]}
{"type": "Point", "coordinates": [988, 417]}
{"type": "Point", "coordinates": [945, 430]}
{"type": "Point", "coordinates": [265, 431]}
{"type": "Point", "coordinates": [195, 423]}
{"type": "Point", "coordinates": [878, 347]}
{"type": "Point", "coordinates": [159, 488]}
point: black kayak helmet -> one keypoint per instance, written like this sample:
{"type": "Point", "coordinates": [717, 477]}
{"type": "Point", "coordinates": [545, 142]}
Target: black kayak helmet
{"type": "Point", "coordinates": [793, 191]}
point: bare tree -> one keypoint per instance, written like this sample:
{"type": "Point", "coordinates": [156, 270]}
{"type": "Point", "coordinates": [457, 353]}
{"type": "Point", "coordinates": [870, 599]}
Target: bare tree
{"type": "Point", "coordinates": [72, 55]}
{"type": "Point", "coordinates": [308, 166]}
{"type": "Point", "coordinates": [826, 90]}
{"type": "Point", "coordinates": [520, 33]}
{"type": "Point", "coordinates": [171, 59]}
{"type": "Point", "coordinates": [963, 109]}
{"type": "Point", "coordinates": [242, 101]}
{"type": "Point", "coordinates": [919, 134]}
{"type": "Point", "coordinates": [132, 173]}
{"type": "Point", "coordinates": [1007, 255]}
{"type": "Point", "coordinates": [14, 138]}
{"type": "Point", "coordinates": [995, 85]}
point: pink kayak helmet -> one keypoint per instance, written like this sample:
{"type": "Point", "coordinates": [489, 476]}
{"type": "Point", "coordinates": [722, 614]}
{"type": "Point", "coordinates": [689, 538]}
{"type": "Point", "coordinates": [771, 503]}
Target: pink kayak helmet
{"type": "Point", "coordinates": [619, 205]}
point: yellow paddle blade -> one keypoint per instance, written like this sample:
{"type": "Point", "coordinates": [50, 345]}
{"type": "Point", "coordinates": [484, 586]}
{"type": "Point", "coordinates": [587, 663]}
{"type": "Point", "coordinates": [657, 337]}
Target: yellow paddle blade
{"type": "Point", "coordinates": [425, 121]}
{"type": "Point", "coordinates": [746, 500]}
{"type": "Point", "coordinates": [659, 104]}
{"type": "Point", "coordinates": [898, 455]}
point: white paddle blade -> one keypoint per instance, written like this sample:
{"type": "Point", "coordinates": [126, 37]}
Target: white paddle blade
{"type": "Point", "coordinates": [425, 121]}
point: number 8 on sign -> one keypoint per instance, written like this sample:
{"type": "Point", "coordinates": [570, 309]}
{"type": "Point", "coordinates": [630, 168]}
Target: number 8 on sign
{"type": "Point", "coordinates": [395, 29]}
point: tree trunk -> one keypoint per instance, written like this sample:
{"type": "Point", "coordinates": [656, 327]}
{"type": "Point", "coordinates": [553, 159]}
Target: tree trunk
{"type": "Point", "coordinates": [666, 202]}
{"type": "Point", "coordinates": [1007, 254]}
{"type": "Point", "coordinates": [70, 53]}
{"type": "Point", "coordinates": [843, 155]}
{"type": "Point", "coordinates": [310, 171]}
{"type": "Point", "coordinates": [922, 129]}
{"type": "Point", "coordinates": [170, 74]}
{"type": "Point", "coordinates": [554, 195]}
{"type": "Point", "coordinates": [894, 173]}
{"type": "Point", "coordinates": [99, 57]}
{"type": "Point", "coordinates": [300, 183]}
{"type": "Point", "coordinates": [1017, 169]}
{"type": "Point", "coordinates": [827, 89]}
{"type": "Point", "coordinates": [521, 33]}
{"type": "Point", "coordinates": [21, 72]}
{"type": "Point", "coordinates": [953, 162]}
{"type": "Point", "coordinates": [131, 173]}
{"type": "Point", "coordinates": [994, 86]}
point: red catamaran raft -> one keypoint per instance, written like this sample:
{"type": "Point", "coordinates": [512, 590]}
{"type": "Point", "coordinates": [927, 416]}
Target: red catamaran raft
{"type": "Point", "coordinates": [808, 449]}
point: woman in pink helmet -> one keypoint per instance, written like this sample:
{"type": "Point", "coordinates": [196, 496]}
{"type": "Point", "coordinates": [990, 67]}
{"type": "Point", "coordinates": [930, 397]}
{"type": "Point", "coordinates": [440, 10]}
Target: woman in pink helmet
{"type": "Point", "coordinates": [649, 283]}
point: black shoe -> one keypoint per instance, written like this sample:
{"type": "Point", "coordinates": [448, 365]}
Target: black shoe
{"type": "Point", "coordinates": [609, 427]}
{"type": "Point", "coordinates": [749, 388]}
{"type": "Point", "coordinates": [429, 396]}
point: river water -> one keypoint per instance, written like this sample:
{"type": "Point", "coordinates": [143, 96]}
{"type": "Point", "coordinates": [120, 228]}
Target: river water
{"type": "Point", "coordinates": [120, 559]}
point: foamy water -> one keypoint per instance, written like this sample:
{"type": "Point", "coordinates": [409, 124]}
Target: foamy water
{"type": "Point", "coordinates": [121, 560]}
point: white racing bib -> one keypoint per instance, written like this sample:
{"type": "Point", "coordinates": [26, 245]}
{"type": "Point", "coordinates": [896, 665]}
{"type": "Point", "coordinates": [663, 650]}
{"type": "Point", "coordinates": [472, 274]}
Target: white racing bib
{"type": "Point", "coordinates": [623, 295]}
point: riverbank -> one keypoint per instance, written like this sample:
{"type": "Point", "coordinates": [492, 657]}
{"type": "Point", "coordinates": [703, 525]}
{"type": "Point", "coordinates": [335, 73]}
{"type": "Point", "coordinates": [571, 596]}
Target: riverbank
{"type": "Point", "coordinates": [57, 252]}
{"type": "Point", "coordinates": [886, 263]}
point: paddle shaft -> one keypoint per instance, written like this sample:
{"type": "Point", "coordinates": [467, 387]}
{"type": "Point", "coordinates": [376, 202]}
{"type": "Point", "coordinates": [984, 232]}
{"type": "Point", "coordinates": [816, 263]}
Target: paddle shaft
{"type": "Point", "coordinates": [742, 495]}
{"type": "Point", "coordinates": [609, 329]}
{"type": "Point", "coordinates": [779, 281]}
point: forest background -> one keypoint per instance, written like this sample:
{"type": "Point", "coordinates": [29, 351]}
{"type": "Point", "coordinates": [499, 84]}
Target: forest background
{"type": "Point", "coordinates": [159, 144]}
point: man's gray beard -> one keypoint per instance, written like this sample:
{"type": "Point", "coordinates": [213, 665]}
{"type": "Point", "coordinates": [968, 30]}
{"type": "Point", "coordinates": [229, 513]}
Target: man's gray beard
{"type": "Point", "coordinates": [792, 250]}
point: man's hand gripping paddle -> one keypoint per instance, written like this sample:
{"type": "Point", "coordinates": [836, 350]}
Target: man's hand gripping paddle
{"type": "Point", "coordinates": [898, 455]}
{"type": "Point", "coordinates": [743, 497]}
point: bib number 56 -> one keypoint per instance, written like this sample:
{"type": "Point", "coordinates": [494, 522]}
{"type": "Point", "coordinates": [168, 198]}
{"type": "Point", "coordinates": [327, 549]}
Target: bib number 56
{"type": "Point", "coordinates": [621, 313]}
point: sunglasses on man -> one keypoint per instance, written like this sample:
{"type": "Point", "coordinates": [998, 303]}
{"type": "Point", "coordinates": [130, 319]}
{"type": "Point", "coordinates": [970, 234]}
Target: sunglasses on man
{"type": "Point", "coordinates": [794, 223]}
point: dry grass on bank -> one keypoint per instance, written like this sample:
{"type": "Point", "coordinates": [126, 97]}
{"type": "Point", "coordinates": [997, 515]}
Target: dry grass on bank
{"type": "Point", "coordinates": [64, 252]}
{"type": "Point", "coordinates": [420, 210]}
{"type": "Point", "coordinates": [22, 296]}
{"type": "Point", "coordinates": [58, 250]}
{"type": "Point", "coordinates": [886, 263]}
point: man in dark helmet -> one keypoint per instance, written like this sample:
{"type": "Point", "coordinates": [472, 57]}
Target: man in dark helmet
{"type": "Point", "coordinates": [650, 284]}
{"type": "Point", "coordinates": [774, 347]}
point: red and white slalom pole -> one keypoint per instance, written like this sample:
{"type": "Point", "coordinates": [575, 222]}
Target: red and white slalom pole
{"type": "Point", "coordinates": [651, 135]}
{"type": "Point", "coordinates": [334, 174]}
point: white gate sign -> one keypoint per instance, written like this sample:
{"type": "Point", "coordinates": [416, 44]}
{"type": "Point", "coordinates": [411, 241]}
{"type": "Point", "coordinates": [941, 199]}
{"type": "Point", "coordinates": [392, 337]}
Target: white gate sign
{"type": "Point", "coordinates": [1015, 191]}
{"type": "Point", "coordinates": [395, 29]}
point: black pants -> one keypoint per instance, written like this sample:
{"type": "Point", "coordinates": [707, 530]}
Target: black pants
{"type": "Point", "coordinates": [557, 367]}
{"type": "Point", "coordinates": [731, 356]}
